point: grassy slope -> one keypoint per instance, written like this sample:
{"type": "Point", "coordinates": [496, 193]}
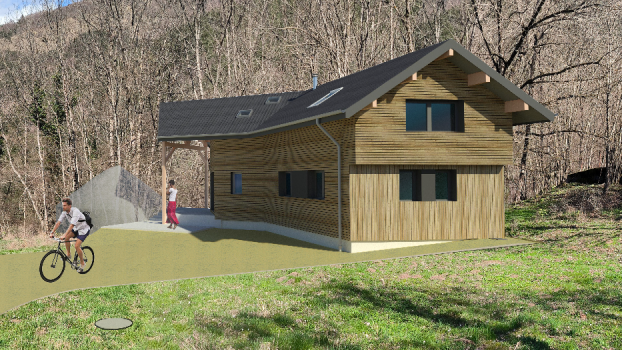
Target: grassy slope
{"type": "Point", "coordinates": [563, 294]}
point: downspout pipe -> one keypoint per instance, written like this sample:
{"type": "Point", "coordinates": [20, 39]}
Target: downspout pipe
{"type": "Point", "coordinates": [317, 121]}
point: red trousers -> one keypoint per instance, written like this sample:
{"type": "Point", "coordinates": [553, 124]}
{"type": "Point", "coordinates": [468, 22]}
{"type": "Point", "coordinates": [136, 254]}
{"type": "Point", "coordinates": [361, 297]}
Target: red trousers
{"type": "Point", "coordinates": [170, 213]}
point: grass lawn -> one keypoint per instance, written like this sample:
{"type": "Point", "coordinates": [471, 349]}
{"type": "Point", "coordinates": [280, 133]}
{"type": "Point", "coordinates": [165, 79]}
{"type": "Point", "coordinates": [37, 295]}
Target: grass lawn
{"type": "Point", "coordinates": [565, 293]}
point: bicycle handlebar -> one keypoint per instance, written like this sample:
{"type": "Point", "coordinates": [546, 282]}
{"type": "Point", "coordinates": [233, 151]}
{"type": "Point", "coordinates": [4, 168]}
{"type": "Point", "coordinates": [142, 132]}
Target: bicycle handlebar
{"type": "Point", "coordinates": [58, 239]}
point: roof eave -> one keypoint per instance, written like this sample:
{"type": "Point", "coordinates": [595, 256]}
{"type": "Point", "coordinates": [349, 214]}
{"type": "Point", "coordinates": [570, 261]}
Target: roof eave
{"type": "Point", "coordinates": [255, 133]}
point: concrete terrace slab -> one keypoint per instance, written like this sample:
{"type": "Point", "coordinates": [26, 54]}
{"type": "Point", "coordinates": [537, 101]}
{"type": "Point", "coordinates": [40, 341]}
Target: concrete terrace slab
{"type": "Point", "coordinates": [131, 256]}
{"type": "Point", "coordinates": [190, 220]}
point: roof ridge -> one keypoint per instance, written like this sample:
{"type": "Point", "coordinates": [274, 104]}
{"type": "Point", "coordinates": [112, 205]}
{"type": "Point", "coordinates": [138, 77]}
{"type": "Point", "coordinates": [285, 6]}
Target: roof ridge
{"type": "Point", "coordinates": [222, 98]}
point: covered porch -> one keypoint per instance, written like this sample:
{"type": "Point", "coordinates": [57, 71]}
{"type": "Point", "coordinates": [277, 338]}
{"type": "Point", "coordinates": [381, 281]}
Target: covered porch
{"type": "Point", "coordinates": [193, 215]}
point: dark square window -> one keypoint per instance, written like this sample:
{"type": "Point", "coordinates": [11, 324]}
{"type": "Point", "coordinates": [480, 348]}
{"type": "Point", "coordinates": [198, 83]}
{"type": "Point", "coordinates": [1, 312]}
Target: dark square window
{"type": "Point", "coordinates": [434, 115]}
{"type": "Point", "coordinates": [428, 185]}
{"type": "Point", "coordinates": [406, 185]}
{"type": "Point", "coordinates": [319, 184]}
{"type": "Point", "coordinates": [288, 184]}
{"type": "Point", "coordinates": [442, 185]}
{"type": "Point", "coordinates": [301, 184]}
{"type": "Point", "coordinates": [443, 116]}
{"type": "Point", "coordinates": [416, 116]}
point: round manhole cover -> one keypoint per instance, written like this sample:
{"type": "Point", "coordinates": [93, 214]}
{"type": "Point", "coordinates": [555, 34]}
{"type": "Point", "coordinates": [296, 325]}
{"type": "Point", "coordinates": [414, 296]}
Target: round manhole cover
{"type": "Point", "coordinates": [113, 323]}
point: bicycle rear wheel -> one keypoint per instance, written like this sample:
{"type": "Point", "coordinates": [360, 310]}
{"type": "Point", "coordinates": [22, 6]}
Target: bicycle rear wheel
{"type": "Point", "coordinates": [52, 266]}
{"type": "Point", "coordinates": [89, 258]}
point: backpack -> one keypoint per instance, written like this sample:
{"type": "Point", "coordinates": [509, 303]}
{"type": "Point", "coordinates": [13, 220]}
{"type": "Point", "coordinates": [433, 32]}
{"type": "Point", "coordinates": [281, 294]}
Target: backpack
{"type": "Point", "coordinates": [87, 216]}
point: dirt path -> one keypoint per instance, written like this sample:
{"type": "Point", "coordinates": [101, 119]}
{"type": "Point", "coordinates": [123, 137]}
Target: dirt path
{"type": "Point", "coordinates": [128, 257]}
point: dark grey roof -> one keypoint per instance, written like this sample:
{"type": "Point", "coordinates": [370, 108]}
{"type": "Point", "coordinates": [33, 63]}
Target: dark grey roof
{"type": "Point", "coordinates": [215, 118]}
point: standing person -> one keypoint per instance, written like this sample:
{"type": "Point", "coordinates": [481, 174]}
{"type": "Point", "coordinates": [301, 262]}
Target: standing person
{"type": "Point", "coordinates": [77, 228]}
{"type": "Point", "coordinates": [172, 205]}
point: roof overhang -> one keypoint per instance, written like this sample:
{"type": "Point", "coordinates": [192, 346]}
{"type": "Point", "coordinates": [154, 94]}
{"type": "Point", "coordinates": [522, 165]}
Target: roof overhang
{"type": "Point", "coordinates": [325, 117]}
{"type": "Point", "coordinates": [468, 63]}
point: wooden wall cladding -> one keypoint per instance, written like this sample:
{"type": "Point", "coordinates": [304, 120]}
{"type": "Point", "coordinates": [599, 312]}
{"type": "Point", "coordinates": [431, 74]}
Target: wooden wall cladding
{"type": "Point", "coordinates": [381, 136]}
{"type": "Point", "coordinates": [379, 215]}
{"type": "Point", "coordinates": [260, 159]}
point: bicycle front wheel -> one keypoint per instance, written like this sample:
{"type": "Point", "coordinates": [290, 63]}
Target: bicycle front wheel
{"type": "Point", "coordinates": [52, 266]}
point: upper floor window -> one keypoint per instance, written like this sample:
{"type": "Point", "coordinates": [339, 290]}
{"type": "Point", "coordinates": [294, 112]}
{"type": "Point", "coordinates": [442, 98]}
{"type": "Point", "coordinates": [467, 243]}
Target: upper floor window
{"type": "Point", "coordinates": [434, 115]}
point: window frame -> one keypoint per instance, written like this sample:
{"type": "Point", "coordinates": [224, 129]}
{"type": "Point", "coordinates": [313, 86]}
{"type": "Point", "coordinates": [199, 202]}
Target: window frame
{"type": "Point", "coordinates": [241, 115]}
{"type": "Point", "coordinates": [458, 123]}
{"type": "Point", "coordinates": [326, 97]}
{"type": "Point", "coordinates": [233, 182]}
{"type": "Point", "coordinates": [421, 193]}
{"type": "Point", "coordinates": [301, 181]}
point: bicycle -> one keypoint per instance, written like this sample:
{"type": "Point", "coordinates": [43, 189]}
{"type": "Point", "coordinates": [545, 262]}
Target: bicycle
{"type": "Point", "coordinates": [52, 259]}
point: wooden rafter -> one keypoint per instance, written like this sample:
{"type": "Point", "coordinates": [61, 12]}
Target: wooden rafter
{"type": "Point", "coordinates": [478, 78]}
{"type": "Point", "coordinates": [372, 105]}
{"type": "Point", "coordinates": [183, 145]}
{"type": "Point", "coordinates": [410, 78]}
{"type": "Point", "coordinates": [449, 53]}
{"type": "Point", "coordinates": [516, 106]}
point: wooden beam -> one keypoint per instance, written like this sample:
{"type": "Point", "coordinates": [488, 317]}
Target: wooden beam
{"type": "Point", "coordinates": [409, 79]}
{"type": "Point", "coordinates": [164, 183]}
{"type": "Point", "coordinates": [449, 53]}
{"type": "Point", "coordinates": [516, 106]}
{"type": "Point", "coordinates": [182, 145]}
{"type": "Point", "coordinates": [478, 78]}
{"type": "Point", "coordinates": [168, 156]}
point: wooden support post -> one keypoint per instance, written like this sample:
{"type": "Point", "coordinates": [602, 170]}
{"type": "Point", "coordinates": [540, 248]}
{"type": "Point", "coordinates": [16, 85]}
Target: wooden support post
{"type": "Point", "coordinates": [449, 53]}
{"type": "Point", "coordinates": [207, 180]}
{"type": "Point", "coordinates": [516, 106]}
{"type": "Point", "coordinates": [478, 78]}
{"type": "Point", "coordinates": [164, 183]}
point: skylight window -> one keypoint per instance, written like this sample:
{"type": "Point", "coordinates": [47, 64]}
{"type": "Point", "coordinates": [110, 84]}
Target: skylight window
{"type": "Point", "coordinates": [273, 100]}
{"type": "Point", "coordinates": [245, 113]}
{"type": "Point", "coordinates": [330, 94]}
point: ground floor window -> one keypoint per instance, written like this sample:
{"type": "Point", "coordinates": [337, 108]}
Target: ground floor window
{"type": "Point", "coordinates": [302, 184]}
{"type": "Point", "coordinates": [428, 185]}
{"type": "Point", "coordinates": [236, 183]}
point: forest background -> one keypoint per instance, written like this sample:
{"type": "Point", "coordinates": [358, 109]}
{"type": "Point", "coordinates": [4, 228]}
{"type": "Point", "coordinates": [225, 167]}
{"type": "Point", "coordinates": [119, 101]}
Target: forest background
{"type": "Point", "coordinates": [81, 84]}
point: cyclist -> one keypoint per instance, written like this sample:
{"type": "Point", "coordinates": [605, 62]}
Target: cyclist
{"type": "Point", "coordinates": [77, 228]}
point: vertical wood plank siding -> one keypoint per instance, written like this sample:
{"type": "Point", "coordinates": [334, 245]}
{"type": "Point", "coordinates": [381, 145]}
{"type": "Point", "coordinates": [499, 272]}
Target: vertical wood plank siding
{"type": "Point", "coordinates": [381, 136]}
{"type": "Point", "coordinates": [260, 159]}
{"type": "Point", "coordinates": [379, 215]}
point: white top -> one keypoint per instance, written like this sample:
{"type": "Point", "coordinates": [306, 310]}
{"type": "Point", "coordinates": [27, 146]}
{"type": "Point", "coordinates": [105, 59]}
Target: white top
{"type": "Point", "coordinates": [173, 194]}
{"type": "Point", "coordinates": [73, 216]}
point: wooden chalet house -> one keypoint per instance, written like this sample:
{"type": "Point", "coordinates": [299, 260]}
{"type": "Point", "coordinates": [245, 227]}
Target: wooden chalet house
{"type": "Point", "coordinates": [407, 152]}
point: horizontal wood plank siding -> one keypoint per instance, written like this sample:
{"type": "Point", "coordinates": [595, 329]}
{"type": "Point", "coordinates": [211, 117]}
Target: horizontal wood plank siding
{"type": "Point", "coordinates": [260, 159]}
{"type": "Point", "coordinates": [381, 136]}
{"type": "Point", "coordinates": [379, 215]}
